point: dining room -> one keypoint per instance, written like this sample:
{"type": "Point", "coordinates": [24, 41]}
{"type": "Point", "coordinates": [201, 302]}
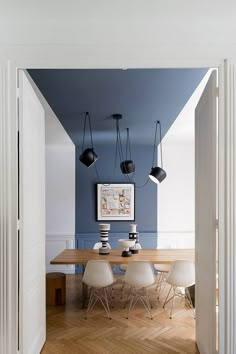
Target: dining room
{"type": "Point", "coordinates": [89, 215]}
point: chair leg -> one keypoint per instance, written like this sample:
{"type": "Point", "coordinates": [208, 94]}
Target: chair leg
{"type": "Point", "coordinates": [131, 304]}
{"type": "Point", "coordinates": [160, 275]}
{"type": "Point", "coordinates": [122, 289]}
{"type": "Point", "coordinates": [190, 301]}
{"type": "Point", "coordinates": [102, 296]}
{"type": "Point", "coordinates": [92, 301]}
{"type": "Point", "coordinates": [128, 296]}
{"type": "Point", "coordinates": [172, 304]}
{"type": "Point", "coordinates": [144, 298]}
{"type": "Point", "coordinates": [161, 287]}
{"type": "Point", "coordinates": [106, 303]}
{"type": "Point", "coordinates": [147, 304]}
{"type": "Point", "coordinates": [167, 297]}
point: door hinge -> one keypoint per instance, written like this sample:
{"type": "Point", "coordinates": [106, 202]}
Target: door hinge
{"type": "Point", "coordinates": [18, 224]}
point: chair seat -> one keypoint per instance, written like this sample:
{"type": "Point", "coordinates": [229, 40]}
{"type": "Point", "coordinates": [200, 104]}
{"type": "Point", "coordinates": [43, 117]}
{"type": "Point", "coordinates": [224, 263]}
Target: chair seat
{"type": "Point", "coordinates": [123, 267]}
{"type": "Point", "coordinates": [162, 267]}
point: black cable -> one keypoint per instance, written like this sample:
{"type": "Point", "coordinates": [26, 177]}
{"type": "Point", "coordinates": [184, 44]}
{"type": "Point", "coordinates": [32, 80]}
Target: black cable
{"type": "Point", "coordinates": [114, 171]}
{"type": "Point", "coordinates": [91, 136]}
{"type": "Point", "coordinates": [143, 185]}
{"type": "Point", "coordinates": [126, 145]}
{"type": "Point", "coordinates": [154, 145]}
{"type": "Point", "coordinates": [128, 138]}
{"type": "Point", "coordinates": [161, 145]}
{"type": "Point", "coordinates": [85, 119]}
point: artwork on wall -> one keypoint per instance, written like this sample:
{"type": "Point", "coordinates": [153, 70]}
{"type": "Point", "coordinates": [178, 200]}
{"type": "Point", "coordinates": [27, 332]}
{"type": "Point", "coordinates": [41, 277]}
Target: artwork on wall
{"type": "Point", "coordinates": [115, 202]}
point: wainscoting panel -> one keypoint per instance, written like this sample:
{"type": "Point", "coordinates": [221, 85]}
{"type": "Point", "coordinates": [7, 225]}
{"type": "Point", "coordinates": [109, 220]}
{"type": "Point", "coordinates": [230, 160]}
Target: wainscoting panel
{"type": "Point", "coordinates": [176, 239]}
{"type": "Point", "coordinates": [54, 245]}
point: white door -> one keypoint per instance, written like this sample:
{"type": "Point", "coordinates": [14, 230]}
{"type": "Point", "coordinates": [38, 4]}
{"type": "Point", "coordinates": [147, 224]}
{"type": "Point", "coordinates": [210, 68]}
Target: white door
{"type": "Point", "coordinates": [205, 218]}
{"type": "Point", "coordinates": [32, 326]}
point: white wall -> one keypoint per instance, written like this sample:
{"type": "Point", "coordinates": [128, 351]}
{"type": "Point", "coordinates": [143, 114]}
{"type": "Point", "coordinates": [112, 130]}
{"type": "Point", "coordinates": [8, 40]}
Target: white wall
{"type": "Point", "coordinates": [60, 187]}
{"type": "Point", "coordinates": [60, 193]}
{"type": "Point", "coordinates": [176, 194]}
{"type": "Point", "coordinates": [60, 190]}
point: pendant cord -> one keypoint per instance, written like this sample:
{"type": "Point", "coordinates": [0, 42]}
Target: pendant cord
{"type": "Point", "coordinates": [128, 147]}
{"type": "Point", "coordinates": [161, 145]}
{"type": "Point", "coordinates": [90, 128]}
{"type": "Point", "coordinates": [85, 119]}
{"type": "Point", "coordinates": [116, 152]}
{"type": "Point", "coordinates": [154, 145]}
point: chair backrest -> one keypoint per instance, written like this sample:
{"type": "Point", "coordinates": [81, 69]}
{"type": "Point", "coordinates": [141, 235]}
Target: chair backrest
{"type": "Point", "coordinates": [137, 246]}
{"type": "Point", "coordinates": [98, 245]}
{"type": "Point", "coordinates": [182, 273]}
{"type": "Point", "coordinates": [98, 274]}
{"type": "Point", "coordinates": [139, 274]}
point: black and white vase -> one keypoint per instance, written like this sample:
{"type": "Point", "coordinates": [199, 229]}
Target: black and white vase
{"type": "Point", "coordinates": [104, 233]}
{"type": "Point", "coordinates": [133, 235]}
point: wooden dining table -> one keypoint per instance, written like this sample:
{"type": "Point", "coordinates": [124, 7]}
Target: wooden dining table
{"type": "Point", "coordinates": [154, 256]}
{"type": "Point", "coordinates": [163, 256]}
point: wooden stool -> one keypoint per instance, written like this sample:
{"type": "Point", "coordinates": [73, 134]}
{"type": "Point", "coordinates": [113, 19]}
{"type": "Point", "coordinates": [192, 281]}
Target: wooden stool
{"type": "Point", "coordinates": [55, 289]}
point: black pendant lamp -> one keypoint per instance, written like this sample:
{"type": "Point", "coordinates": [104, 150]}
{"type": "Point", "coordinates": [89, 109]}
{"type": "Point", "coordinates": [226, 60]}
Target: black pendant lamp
{"type": "Point", "coordinates": [157, 174]}
{"type": "Point", "coordinates": [88, 156]}
{"type": "Point", "coordinates": [127, 166]}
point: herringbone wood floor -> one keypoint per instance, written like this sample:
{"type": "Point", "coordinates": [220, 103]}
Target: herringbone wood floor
{"type": "Point", "coordinates": [69, 333]}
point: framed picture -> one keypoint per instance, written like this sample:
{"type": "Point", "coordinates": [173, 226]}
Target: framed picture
{"type": "Point", "coordinates": [115, 202]}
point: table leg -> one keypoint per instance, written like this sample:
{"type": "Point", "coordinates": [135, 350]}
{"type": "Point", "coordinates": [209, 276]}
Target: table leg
{"type": "Point", "coordinates": [84, 291]}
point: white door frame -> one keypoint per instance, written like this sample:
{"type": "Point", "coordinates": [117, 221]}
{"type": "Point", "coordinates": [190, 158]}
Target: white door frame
{"type": "Point", "coordinates": [80, 57]}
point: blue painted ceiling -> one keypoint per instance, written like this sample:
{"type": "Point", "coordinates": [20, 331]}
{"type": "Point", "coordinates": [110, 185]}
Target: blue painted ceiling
{"type": "Point", "coordinates": [142, 96]}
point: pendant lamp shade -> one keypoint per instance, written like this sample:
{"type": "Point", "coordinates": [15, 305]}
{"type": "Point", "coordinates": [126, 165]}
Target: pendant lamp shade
{"type": "Point", "coordinates": [157, 174]}
{"type": "Point", "coordinates": [88, 156]}
{"type": "Point", "coordinates": [127, 167]}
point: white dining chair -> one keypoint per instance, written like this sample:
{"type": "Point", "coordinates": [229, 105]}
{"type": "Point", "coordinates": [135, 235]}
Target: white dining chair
{"type": "Point", "coordinates": [99, 277]}
{"type": "Point", "coordinates": [181, 275]}
{"type": "Point", "coordinates": [139, 276]}
{"type": "Point", "coordinates": [123, 268]}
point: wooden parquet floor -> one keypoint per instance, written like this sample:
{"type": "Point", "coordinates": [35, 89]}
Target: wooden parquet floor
{"type": "Point", "coordinates": [68, 332]}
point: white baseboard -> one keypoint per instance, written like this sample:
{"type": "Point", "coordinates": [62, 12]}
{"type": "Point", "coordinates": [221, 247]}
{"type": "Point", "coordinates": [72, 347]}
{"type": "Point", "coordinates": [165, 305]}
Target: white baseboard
{"type": "Point", "coordinates": [54, 245]}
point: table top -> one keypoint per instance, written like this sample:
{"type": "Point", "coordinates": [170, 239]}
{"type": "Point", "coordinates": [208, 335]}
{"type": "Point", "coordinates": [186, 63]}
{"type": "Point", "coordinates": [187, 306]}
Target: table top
{"type": "Point", "coordinates": [161, 256]}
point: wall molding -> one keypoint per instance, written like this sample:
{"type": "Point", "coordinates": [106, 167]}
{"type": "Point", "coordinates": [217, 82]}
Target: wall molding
{"type": "Point", "coordinates": [227, 201]}
{"type": "Point", "coordinates": [87, 240]}
{"type": "Point", "coordinates": [56, 243]}
{"type": "Point", "coordinates": [176, 239]}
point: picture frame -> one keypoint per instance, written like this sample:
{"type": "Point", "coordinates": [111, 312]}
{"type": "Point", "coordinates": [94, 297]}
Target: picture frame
{"type": "Point", "coordinates": [115, 202]}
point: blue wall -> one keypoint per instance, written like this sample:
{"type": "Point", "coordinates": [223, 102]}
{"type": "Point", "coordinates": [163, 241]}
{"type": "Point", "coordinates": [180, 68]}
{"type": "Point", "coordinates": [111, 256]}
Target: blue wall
{"type": "Point", "coordinates": [145, 198]}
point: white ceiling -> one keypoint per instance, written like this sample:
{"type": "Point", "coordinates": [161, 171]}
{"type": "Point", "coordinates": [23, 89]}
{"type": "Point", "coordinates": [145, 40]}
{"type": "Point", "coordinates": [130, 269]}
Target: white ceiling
{"type": "Point", "coordinates": [136, 21]}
